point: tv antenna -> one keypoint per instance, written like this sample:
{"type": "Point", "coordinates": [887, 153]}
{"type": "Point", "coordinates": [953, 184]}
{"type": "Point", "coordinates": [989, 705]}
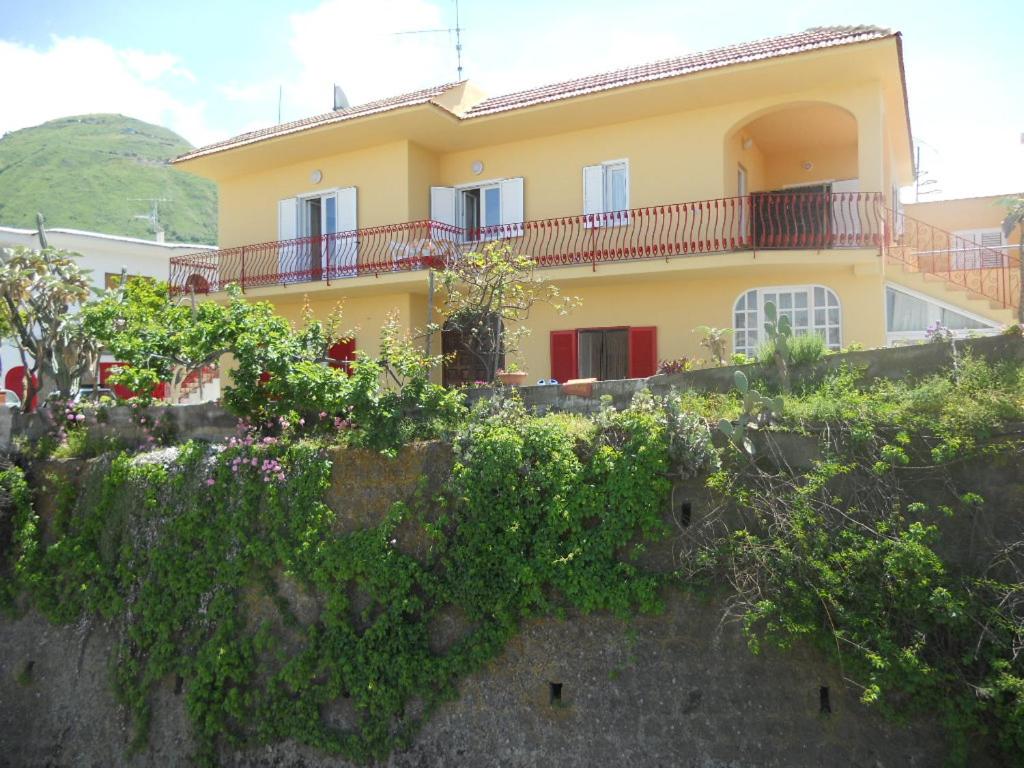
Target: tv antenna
{"type": "Point", "coordinates": [153, 217]}
{"type": "Point", "coordinates": [457, 29]}
{"type": "Point", "coordinates": [922, 186]}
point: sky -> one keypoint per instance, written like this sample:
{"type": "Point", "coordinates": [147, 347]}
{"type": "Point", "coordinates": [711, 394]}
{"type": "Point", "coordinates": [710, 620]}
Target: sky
{"type": "Point", "coordinates": [210, 69]}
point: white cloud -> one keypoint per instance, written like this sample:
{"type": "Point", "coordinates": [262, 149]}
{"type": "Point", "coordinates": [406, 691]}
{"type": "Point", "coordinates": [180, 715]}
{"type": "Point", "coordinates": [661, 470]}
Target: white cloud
{"type": "Point", "coordinates": [78, 75]}
{"type": "Point", "coordinates": [353, 44]}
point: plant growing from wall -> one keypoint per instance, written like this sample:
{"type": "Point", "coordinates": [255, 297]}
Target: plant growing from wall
{"type": "Point", "coordinates": [40, 292]}
{"type": "Point", "coordinates": [192, 558]}
{"type": "Point", "coordinates": [716, 341]}
{"type": "Point", "coordinates": [758, 412]}
{"type": "Point", "coordinates": [488, 298]}
{"type": "Point", "coordinates": [1014, 219]}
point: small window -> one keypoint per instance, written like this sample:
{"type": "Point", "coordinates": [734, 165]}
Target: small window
{"type": "Point", "coordinates": [810, 309]}
{"type": "Point", "coordinates": [606, 193]}
{"type": "Point", "coordinates": [479, 208]}
{"type": "Point", "coordinates": [908, 316]}
{"type": "Point", "coordinates": [978, 248]}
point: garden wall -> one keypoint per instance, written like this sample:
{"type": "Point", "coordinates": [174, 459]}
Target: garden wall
{"type": "Point", "coordinates": [889, 363]}
{"type": "Point", "coordinates": [679, 689]}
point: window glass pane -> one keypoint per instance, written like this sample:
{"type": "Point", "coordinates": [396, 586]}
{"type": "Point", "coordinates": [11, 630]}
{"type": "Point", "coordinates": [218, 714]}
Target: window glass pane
{"type": "Point", "coordinates": [800, 300]}
{"type": "Point", "coordinates": [785, 300]}
{"type": "Point", "coordinates": [957, 322]}
{"type": "Point", "coordinates": [331, 213]}
{"type": "Point", "coordinates": [492, 206]}
{"type": "Point", "coordinates": [833, 337]}
{"type": "Point", "coordinates": [752, 299]}
{"type": "Point", "coordinates": [819, 296]}
{"type": "Point", "coordinates": [819, 317]}
{"type": "Point", "coordinates": [833, 316]}
{"type": "Point", "coordinates": [741, 319]}
{"type": "Point", "coordinates": [616, 351]}
{"type": "Point", "coordinates": [800, 318]}
{"type": "Point", "coordinates": [833, 300]}
{"type": "Point", "coordinates": [615, 188]}
{"type": "Point", "coordinates": [589, 354]}
{"type": "Point", "coordinates": [471, 209]}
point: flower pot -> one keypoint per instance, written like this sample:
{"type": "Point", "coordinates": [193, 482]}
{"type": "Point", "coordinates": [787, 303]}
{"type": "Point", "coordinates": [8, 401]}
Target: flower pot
{"type": "Point", "coordinates": [513, 379]}
{"type": "Point", "coordinates": [579, 387]}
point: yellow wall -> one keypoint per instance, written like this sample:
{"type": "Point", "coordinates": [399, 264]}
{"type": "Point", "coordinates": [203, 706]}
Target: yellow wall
{"type": "Point", "coordinates": [828, 164]}
{"type": "Point", "coordinates": [963, 213]}
{"type": "Point", "coordinates": [680, 302]}
{"type": "Point", "coordinates": [248, 204]}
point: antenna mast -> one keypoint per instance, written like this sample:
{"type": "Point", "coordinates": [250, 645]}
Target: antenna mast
{"type": "Point", "coordinates": [153, 217]}
{"type": "Point", "coordinates": [457, 29]}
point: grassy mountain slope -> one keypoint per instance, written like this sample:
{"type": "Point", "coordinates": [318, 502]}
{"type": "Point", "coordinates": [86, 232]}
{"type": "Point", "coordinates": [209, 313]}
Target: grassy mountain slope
{"type": "Point", "coordinates": [82, 172]}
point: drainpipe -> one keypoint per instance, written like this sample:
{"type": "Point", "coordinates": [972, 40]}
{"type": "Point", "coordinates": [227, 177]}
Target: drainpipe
{"type": "Point", "coordinates": [430, 310]}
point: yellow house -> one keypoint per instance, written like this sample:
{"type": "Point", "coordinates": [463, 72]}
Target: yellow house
{"type": "Point", "coordinates": [666, 196]}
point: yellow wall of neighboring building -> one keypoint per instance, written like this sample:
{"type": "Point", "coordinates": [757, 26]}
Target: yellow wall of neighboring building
{"type": "Point", "coordinates": [963, 213]}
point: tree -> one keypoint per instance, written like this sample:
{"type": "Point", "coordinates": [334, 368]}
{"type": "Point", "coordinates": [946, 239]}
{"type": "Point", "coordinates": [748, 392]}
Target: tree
{"type": "Point", "coordinates": [163, 339]}
{"type": "Point", "coordinates": [40, 292]}
{"type": "Point", "coordinates": [489, 295]}
{"type": "Point", "coordinates": [1015, 218]}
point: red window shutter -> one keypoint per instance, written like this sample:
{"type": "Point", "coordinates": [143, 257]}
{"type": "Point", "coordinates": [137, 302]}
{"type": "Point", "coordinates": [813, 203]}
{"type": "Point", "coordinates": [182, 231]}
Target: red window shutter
{"type": "Point", "coordinates": [563, 356]}
{"type": "Point", "coordinates": [118, 389]}
{"type": "Point", "coordinates": [342, 354]}
{"type": "Point", "coordinates": [643, 352]}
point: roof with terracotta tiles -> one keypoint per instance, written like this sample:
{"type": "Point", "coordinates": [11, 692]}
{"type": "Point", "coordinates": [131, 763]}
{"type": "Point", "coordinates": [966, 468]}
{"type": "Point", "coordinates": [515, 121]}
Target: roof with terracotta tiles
{"type": "Point", "coordinates": [774, 47]}
{"type": "Point", "coordinates": [361, 110]}
{"type": "Point", "coordinates": [770, 48]}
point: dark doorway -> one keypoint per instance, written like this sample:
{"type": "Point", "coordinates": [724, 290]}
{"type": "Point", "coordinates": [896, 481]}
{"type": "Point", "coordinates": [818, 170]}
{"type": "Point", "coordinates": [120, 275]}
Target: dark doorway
{"type": "Point", "coordinates": [468, 344]}
{"type": "Point", "coordinates": [792, 218]}
{"type": "Point", "coordinates": [604, 353]}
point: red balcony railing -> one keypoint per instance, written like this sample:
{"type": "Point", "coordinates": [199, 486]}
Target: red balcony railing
{"type": "Point", "coordinates": [980, 270]}
{"type": "Point", "coordinates": [772, 220]}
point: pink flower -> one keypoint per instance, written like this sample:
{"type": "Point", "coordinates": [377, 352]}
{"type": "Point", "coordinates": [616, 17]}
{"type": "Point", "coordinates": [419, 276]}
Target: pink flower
{"type": "Point", "coordinates": [302, 422]}
{"type": "Point", "coordinates": [71, 417]}
{"type": "Point", "coordinates": [210, 481]}
{"type": "Point", "coordinates": [80, 417]}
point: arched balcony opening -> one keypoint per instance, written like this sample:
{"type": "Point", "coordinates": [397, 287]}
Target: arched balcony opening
{"type": "Point", "coordinates": [796, 167]}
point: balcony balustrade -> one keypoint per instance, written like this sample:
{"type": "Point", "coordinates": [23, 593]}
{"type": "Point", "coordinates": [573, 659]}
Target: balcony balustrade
{"type": "Point", "coordinates": [771, 220]}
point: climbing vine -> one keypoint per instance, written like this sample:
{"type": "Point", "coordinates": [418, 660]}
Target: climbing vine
{"type": "Point", "coordinates": [199, 560]}
{"type": "Point", "coordinates": [230, 578]}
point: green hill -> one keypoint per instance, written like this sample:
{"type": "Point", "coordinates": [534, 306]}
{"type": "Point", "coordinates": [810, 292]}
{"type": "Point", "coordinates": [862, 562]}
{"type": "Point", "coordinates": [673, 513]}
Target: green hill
{"type": "Point", "coordinates": [82, 172]}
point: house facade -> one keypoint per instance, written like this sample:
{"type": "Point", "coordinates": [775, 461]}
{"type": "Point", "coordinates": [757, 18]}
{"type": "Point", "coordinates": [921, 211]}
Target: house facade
{"type": "Point", "coordinates": [687, 192]}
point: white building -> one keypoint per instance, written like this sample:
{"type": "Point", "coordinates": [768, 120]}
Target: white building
{"type": "Point", "coordinates": [105, 256]}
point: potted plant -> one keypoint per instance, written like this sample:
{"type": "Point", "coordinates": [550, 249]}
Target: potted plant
{"type": "Point", "coordinates": [511, 376]}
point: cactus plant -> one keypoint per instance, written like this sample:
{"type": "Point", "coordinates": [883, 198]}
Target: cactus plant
{"type": "Point", "coordinates": [758, 411]}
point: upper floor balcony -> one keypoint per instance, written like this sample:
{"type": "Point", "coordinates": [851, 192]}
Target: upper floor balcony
{"type": "Point", "coordinates": [815, 221]}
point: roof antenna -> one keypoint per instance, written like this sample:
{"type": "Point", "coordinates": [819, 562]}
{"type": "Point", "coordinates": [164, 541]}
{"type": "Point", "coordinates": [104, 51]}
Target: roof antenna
{"type": "Point", "coordinates": [457, 29]}
{"type": "Point", "coordinates": [153, 217]}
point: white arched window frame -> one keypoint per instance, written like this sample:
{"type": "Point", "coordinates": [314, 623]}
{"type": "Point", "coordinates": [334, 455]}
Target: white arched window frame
{"type": "Point", "coordinates": [810, 309]}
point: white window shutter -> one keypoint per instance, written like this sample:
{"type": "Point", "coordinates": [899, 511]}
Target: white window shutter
{"type": "Point", "coordinates": [287, 219]}
{"type": "Point", "coordinates": [442, 205]}
{"type": "Point", "coordinates": [287, 229]}
{"type": "Point", "coordinates": [593, 193]}
{"type": "Point", "coordinates": [512, 207]}
{"type": "Point", "coordinates": [345, 259]}
{"type": "Point", "coordinates": [593, 189]}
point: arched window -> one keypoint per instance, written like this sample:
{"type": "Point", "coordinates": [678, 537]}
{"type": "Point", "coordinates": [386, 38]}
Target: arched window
{"type": "Point", "coordinates": [810, 309]}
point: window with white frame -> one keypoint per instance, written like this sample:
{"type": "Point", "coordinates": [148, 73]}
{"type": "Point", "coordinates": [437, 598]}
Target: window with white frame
{"type": "Point", "coordinates": [484, 211]}
{"type": "Point", "coordinates": [810, 309]}
{"type": "Point", "coordinates": [909, 314]}
{"type": "Point", "coordinates": [978, 248]}
{"type": "Point", "coordinates": [606, 190]}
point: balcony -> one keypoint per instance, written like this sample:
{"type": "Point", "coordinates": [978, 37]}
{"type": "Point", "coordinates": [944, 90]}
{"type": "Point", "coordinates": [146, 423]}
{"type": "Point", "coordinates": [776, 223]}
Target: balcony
{"type": "Point", "coordinates": [765, 221]}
